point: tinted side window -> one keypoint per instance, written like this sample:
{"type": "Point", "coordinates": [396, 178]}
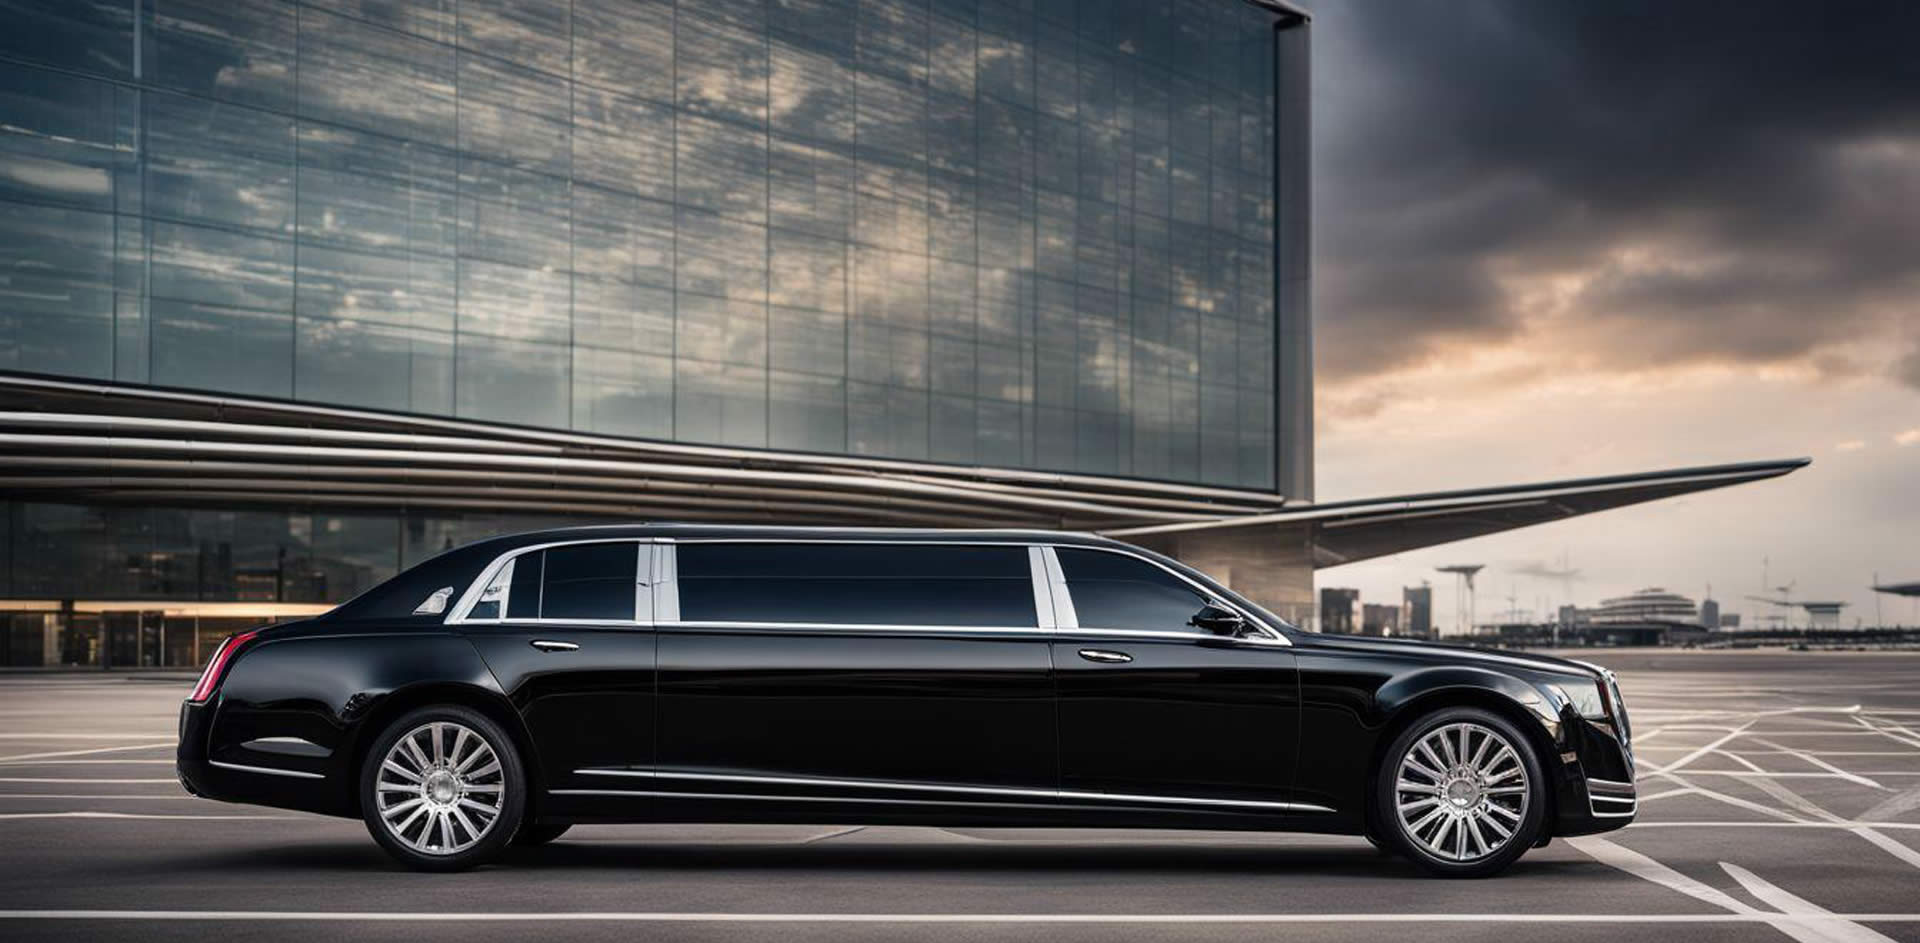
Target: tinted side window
{"type": "Point", "coordinates": [1115, 591]}
{"type": "Point", "coordinates": [863, 584]}
{"type": "Point", "coordinates": [588, 581]}
{"type": "Point", "coordinates": [523, 593]}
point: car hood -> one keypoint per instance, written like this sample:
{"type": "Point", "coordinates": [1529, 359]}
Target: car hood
{"type": "Point", "coordinates": [1438, 651]}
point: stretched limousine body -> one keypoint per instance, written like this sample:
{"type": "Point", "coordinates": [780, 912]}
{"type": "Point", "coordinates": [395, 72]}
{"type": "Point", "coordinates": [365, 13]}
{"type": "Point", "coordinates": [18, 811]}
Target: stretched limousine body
{"type": "Point", "coordinates": [503, 691]}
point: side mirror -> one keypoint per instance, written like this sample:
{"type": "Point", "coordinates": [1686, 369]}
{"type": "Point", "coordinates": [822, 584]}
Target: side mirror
{"type": "Point", "coordinates": [1219, 620]}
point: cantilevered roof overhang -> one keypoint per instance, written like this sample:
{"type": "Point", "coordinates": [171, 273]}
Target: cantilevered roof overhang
{"type": "Point", "coordinates": [1349, 531]}
{"type": "Point", "coordinates": [64, 440]}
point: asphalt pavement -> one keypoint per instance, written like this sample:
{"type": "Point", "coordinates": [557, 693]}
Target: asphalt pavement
{"type": "Point", "coordinates": [1780, 799]}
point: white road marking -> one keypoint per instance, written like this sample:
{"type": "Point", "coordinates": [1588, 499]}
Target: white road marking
{"type": "Point", "coordinates": [1645, 868]}
{"type": "Point", "coordinates": [1815, 923]}
{"type": "Point", "coordinates": [37, 779]}
{"type": "Point", "coordinates": [1899, 803]}
{"type": "Point", "coordinates": [1755, 916]}
{"type": "Point", "coordinates": [167, 762]}
{"type": "Point", "coordinates": [1894, 848]}
{"type": "Point", "coordinates": [1703, 751]}
{"type": "Point", "coordinates": [76, 795]}
{"type": "Point", "coordinates": [128, 815]}
{"type": "Point", "coordinates": [144, 735]}
{"type": "Point", "coordinates": [43, 756]}
{"type": "Point", "coordinates": [1794, 824]}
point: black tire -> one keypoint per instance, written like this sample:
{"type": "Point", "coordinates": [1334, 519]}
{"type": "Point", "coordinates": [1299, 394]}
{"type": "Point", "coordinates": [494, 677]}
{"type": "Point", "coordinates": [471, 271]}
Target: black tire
{"type": "Point", "coordinates": [533, 834]}
{"type": "Point", "coordinates": [1387, 796]}
{"type": "Point", "coordinates": [511, 781]}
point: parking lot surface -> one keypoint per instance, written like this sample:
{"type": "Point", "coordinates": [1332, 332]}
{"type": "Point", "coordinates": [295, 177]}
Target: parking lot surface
{"type": "Point", "coordinates": [1780, 799]}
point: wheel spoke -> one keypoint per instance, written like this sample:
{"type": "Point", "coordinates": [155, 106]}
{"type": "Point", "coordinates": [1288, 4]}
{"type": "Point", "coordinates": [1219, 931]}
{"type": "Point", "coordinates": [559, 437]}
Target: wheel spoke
{"type": "Point", "coordinates": [459, 743]}
{"type": "Point", "coordinates": [413, 749]}
{"type": "Point", "coordinates": [1424, 770]}
{"type": "Point", "coordinates": [1406, 807]}
{"type": "Point", "coordinates": [393, 811]}
{"type": "Point", "coordinates": [389, 786]}
{"type": "Point", "coordinates": [1500, 832]}
{"type": "Point", "coordinates": [1410, 786]}
{"type": "Point", "coordinates": [1446, 748]}
{"type": "Point", "coordinates": [439, 744]}
{"type": "Point", "coordinates": [1506, 790]}
{"type": "Point", "coordinates": [484, 771]}
{"type": "Point", "coordinates": [1503, 810]}
{"type": "Point", "coordinates": [395, 768]}
{"type": "Point", "coordinates": [1427, 753]}
{"type": "Point", "coordinates": [1480, 846]}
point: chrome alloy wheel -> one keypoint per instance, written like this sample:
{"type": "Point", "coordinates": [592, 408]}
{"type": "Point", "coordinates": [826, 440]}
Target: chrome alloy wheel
{"type": "Point", "coordinates": [440, 788]}
{"type": "Point", "coordinates": [1462, 791]}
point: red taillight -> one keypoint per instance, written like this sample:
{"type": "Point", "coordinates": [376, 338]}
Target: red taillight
{"type": "Point", "coordinates": [217, 665]}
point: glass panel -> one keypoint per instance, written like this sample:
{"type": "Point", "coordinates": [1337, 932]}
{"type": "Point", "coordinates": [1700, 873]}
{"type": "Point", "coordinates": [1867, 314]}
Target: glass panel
{"type": "Point", "coordinates": [57, 138]}
{"type": "Point", "coordinates": [355, 73]}
{"type": "Point", "coordinates": [240, 50]}
{"type": "Point", "coordinates": [1115, 591]}
{"type": "Point", "coordinates": [89, 35]}
{"type": "Point", "coordinates": [234, 350]}
{"type": "Point", "coordinates": [56, 299]}
{"type": "Point", "coordinates": [625, 45]}
{"type": "Point", "coordinates": [590, 581]}
{"type": "Point", "coordinates": [215, 162]}
{"type": "Point", "coordinates": [858, 584]}
{"type": "Point", "coordinates": [513, 114]}
{"type": "Point", "coordinates": [523, 592]}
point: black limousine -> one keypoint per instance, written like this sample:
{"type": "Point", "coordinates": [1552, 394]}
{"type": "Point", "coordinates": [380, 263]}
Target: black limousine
{"type": "Point", "coordinates": [501, 692]}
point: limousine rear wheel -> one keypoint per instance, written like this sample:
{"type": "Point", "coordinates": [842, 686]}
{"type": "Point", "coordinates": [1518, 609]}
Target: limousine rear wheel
{"type": "Point", "coordinates": [1461, 793]}
{"type": "Point", "coordinates": [443, 789]}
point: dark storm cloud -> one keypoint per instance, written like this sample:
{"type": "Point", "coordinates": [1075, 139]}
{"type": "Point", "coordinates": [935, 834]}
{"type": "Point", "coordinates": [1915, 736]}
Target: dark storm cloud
{"type": "Point", "coordinates": [1721, 181]}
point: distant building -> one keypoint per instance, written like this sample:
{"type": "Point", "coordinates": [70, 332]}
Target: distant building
{"type": "Point", "coordinates": [1651, 616]}
{"type": "Point", "coordinates": [1729, 621]}
{"type": "Point", "coordinates": [1379, 619]}
{"type": "Point", "coordinates": [1417, 601]}
{"type": "Point", "coordinates": [1337, 609]}
{"type": "Point", "coordinates": [1710, 614]}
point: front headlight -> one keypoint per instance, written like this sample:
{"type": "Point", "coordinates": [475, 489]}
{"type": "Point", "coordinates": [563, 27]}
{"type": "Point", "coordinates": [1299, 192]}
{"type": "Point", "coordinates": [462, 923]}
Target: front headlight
{"type": "Point", "coordinates": [1586, 698]}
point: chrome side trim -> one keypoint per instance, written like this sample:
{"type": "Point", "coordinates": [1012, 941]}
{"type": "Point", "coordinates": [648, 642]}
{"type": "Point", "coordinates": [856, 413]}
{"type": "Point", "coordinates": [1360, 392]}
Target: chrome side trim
{"type": "Point", "coordinates": [287, 746]}
{"type": "Point", "coordinates": [296, 774]}
{"type": "Point", "coordinates": [861, 627]}
{"type": "Point", "coordinates": [932, 787]}
{"type": "Point", "coordinates": [1594, 780]}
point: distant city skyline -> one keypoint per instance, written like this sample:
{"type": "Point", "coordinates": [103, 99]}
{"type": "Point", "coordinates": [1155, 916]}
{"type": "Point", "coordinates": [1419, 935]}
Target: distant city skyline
{"type": "Point", "coordinates": [1535, 263]}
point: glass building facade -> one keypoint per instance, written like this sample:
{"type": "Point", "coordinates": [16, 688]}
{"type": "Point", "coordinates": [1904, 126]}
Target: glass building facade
{"type": "Point", "coordinates": [1033, 234]}
{"type": "Point", "coordinates": [1058, 235]}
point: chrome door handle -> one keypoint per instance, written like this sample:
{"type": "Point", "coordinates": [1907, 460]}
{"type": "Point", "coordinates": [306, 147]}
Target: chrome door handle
{"type": "Point", "coordinates": [1105, 657]}
{"type": "Point", "coordinates": [547, 646]}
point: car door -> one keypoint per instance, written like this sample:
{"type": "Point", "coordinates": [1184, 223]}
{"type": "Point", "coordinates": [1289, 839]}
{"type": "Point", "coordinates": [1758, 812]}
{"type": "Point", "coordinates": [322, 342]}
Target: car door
{"type": "Point", "coordinates": [1154, 706]}
{"type": "Point", "coordinates": [566, 630]}
{"type": "Point", "coordinates": [900, 673]}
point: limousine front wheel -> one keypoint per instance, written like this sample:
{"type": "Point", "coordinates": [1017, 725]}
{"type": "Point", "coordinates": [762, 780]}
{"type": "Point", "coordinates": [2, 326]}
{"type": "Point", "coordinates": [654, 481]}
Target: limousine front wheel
{"type": "Point", "coordinates": [443, 789]}
{"type": "Point", "coordinates": [1461, 793]}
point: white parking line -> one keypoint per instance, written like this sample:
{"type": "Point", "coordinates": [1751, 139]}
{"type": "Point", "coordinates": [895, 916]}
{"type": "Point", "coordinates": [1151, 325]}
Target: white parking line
{"type": "Point", "coordinates": [169, 744]}
{"type": "Point", "coordinates": [128, 815]}
{"type": "Point", "coordinates": [1755, 916]}
{"type": "Point", "coordinates": [1820, 924]}
{"type": "Point", "coordinates": [37, 779]}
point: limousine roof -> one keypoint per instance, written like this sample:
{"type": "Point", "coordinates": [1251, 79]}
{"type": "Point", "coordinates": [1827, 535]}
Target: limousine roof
{"type": "Point", "coordinates": [779, 532]}
{"type": "Point", "coordinates": [459, 566]}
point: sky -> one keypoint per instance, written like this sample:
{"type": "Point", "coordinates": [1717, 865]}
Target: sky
{"type": "Point", "coordinates": [1560, 239]}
